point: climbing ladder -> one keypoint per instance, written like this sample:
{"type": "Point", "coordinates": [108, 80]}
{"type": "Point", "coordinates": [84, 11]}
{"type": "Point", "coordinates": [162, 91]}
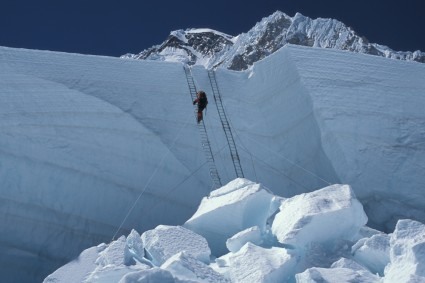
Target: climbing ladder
{"type": "Point", "coordinates": [203, 132]}
{"type": "Point", "coordinates": [225, 123]}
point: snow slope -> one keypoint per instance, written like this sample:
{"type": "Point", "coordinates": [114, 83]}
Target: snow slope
{"type": "Point", "coordinates": [82, 136]}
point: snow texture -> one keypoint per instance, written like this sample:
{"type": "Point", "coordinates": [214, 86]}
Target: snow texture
{"type": "Point", "coordinates": [185, 266]}
{"type": "Point", "coordinates": [252, 235]}
{"type": "Point", "coordinates": [373, 252]}
{"type": "Point", "coordinates": [78, 269]}
{"type": "Point", "coordinates": [104, 263]}
{"type": "Point", "coordinates": [135, 246]}
{"type": "Point", "coordinates": [256, 264]}
{"type": "Point", "coordinates": [239, 205]}
{"type": "Point", "coordinates": [184, 255]}
{"type": "Point", "coordinates": [336, 275]}
{"type": "Point", "coordinates": [312, 217]}
{"type": "Point", "coordinates": [211, 48]}
{"type": "Point", "coordinates": [407, 253]}
{"type": "Point", "coordinates": [82, 136]}
{"type": "Point", "coordinates": [151, 275]}
{"type": "Point", "coordinates": [165, 241]}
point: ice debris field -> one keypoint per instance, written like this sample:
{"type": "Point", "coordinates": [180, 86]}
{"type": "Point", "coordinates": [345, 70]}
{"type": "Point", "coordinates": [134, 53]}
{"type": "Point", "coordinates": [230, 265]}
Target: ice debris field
{"type": "Point", "coordinates": [82, 136]}
{"type": "Point", "coordinates": [244, 233]}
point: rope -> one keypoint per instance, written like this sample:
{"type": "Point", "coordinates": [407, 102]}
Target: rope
{"type": "Point", "coordinates": [184, 180]}
{"type": "Point", "coordinates": [150, 178]}
{"type": "Point", "coordinates": [253, 167]}
{"type": "Point", "coordinates": [293, 163]}
{"type": "Point", "coordinates": [289, 161]}
{"type": "Point", "coordinates": [276, 170]}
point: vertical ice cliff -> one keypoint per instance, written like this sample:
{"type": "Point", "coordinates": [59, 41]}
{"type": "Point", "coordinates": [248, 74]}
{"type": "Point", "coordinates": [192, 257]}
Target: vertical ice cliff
{"type": "Point", "coordinates": [82, 136]}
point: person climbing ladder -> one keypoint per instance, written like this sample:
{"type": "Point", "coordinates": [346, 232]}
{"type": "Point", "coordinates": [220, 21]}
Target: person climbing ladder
{"type": "Point", "coordinates": [202, 104]}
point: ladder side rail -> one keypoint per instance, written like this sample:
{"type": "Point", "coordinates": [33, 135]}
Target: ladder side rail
{"type": "Point", "coordinates": [225, 123]}
{"type": "Point", "coordinates": [206, 146]}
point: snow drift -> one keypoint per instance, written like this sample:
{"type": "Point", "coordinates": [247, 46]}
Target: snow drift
{"type": "Point", "coordinates": [182, 258]}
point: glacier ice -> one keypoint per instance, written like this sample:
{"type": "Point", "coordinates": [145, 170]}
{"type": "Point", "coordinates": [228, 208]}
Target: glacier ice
{"type": "Point", "coordinates": [237, 241]}
{"type": "Point", "coordinates": [183, 256]}
{"type": "Point", "coordinates": [104, 263]}
{"type": "Point", "coordinates": [261, 265]}
{"type": "Point", "coordinates": [407, 253]}
{"type": "Point", "coordinates": [151, 275]}
{"type": "Point", "coordinates": [311, 217]}
{"type": "Point", "coordinates": [135, 246]}
{"type": "Point", "coordinates": [373, 252]}
{"type": "Point", "coordinates": [238, 205]}
{"type": "Point", "coordinates": [165, 241]}
{"type": "Point", "coordinates": [186, 267]}
{"type": "Point", "coordinates": [78, 269]}
{"type": "Point", "coordinates": [336, 275]}
{"type": "Point", "coordinates": [82, 135]}
{"type": "Point", "coordinates": [343, 270]}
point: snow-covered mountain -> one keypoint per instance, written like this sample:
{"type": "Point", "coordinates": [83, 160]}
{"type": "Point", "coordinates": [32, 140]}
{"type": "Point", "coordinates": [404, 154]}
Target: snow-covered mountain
{"type": "Point", "coordinates": [82, 137]}
{"type": "Point", "coordinates": [211, 48]}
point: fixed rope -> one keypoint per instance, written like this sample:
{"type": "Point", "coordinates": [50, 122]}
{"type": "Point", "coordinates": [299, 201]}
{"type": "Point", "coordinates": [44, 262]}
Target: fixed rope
{"type": "Point", "coordinates": [291, 162]}
{"type": "Point", "coordinates": [151, 178]}
{"type": "Point", "coordinates": [280, 154]}
{"type": "Point", "coordinates": [206, 146]}
{"type": "Point", "coordinates": [181, 182]}
{"type": "Point", "coordinates": [226, 125]}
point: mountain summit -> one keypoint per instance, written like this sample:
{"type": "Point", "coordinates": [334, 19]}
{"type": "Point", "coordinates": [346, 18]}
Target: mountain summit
{"type": "Point", "coordinates": [212, 48]}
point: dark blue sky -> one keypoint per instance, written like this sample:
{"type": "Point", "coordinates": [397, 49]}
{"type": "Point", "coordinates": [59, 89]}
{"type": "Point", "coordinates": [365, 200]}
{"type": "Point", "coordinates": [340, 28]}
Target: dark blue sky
{"type": "Point", "coordinates": [116, 27]}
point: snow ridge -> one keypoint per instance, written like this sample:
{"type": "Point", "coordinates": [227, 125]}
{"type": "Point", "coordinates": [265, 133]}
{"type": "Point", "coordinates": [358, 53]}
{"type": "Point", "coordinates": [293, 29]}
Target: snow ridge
{"type": "Point", "coordinates": [211, 48]}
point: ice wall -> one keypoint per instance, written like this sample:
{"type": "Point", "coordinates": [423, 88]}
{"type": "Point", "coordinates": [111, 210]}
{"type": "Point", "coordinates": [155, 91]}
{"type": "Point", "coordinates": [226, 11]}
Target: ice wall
{"type": "Point", "coordinates": [372, 127]}
{"type": "Point", "coordinates": [342, 117]}
{"type": "Point", "coordinates": [82, 136]}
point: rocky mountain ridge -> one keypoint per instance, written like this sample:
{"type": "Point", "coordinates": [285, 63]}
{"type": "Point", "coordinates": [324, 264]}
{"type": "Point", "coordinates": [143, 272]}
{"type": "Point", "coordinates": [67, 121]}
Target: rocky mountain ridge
{"type": "Point", "coordinates": [212, 48]}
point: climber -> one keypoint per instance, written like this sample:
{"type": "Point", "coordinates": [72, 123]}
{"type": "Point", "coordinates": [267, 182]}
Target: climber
{"type": "Point", "coordinates": [202, 103]}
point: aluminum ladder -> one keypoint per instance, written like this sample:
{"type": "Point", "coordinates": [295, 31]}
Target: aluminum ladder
{"type": "Point", "coordinates": [203, 132]}
{"type": "Point", "coordinates": [225, 123]}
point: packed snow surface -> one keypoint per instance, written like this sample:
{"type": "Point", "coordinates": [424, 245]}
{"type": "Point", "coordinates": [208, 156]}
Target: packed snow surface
{"type": "Point", "coordinates": [165, 241]}
{"type": "Point", "coordinates": [184, 258]}
{"type": "Point", "coordinates": [186, 267]}
{"type": "Point", "coordinates": [373, 252]}
{"type": "Point", "coordinates": [316, 214]}
{"type": "Point", "coordinates": [83, 136]}
{"type": "Point", "coordinates": [407, 253]}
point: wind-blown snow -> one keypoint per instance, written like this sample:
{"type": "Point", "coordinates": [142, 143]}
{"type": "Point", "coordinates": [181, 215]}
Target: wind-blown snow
{"type": "Point", "coordinates": [83, 136]}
